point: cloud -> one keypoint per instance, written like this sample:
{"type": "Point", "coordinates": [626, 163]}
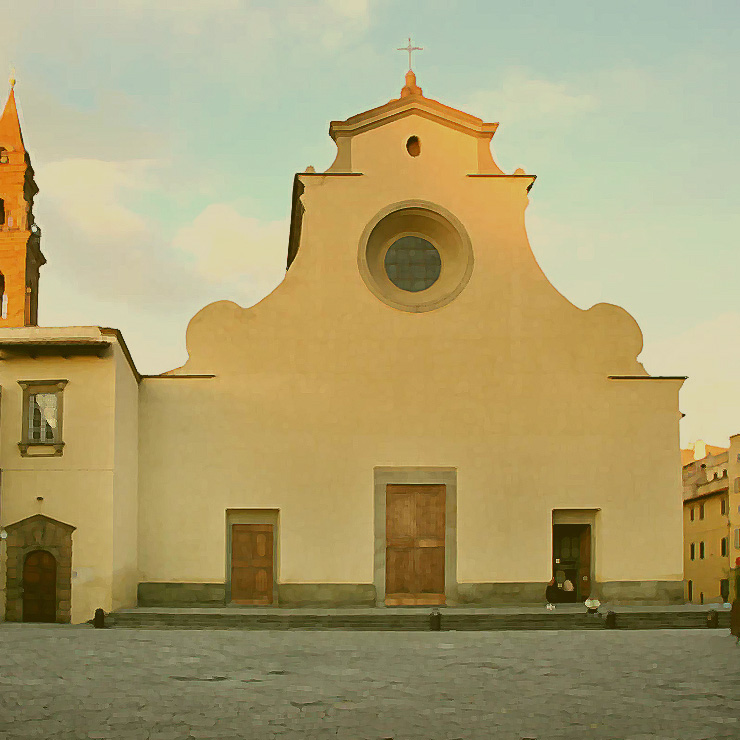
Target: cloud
{"type": "Point", "coordinates": [108, 130]}
{"type": "Point", "coordinates": [118, 255]}
{"type": "Point", "coordinates": [332, 20]}
{"type": "Point", "coordinates": [522, 99]}
{"type": "Point", "coordinates": [337, 22]}
{"type": "Point", "coordinates": [710, 397]}
{"type": "Point", "coordinates": [226, 246]}
{"type": "Point", "coordinates": [87, 193]}
{"type": "Point", "coordinates": [101, 246]}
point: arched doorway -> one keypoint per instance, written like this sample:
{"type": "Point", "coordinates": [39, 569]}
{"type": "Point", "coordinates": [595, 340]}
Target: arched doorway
{"type": "Point", "coordinates": [40, 587]}
{"type": "Point", "coordinates": [35, 534]}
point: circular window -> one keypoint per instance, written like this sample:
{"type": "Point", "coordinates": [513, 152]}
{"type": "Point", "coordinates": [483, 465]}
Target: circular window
{"type": "Point", "coordinates": [412, 263]}
{"type": "Point", "coordinates": [415, 256]}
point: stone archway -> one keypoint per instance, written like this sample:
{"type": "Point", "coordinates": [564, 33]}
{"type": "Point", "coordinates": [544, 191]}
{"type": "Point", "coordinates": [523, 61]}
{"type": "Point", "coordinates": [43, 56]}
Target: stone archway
{"type": "Point", "coordinates": [38, 532]}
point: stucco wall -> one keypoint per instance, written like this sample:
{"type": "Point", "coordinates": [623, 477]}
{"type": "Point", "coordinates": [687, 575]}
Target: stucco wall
{"type": "Point", "coordinates": [125, 484]}
{"type": "Point", "coordinates": [77, 487]}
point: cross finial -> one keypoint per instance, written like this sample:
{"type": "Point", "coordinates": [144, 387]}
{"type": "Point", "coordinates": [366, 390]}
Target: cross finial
{"type": "Point", "coordinates": [409, 49]}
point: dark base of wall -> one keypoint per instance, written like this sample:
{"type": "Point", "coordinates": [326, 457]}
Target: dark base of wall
{"type": "Point", "coordinates": [181, 594]}
{"type": "Point", "coordinates": [614, 592]}
{"type": "Point", "coordinates": [641, 592]}
{"type": "Point", "coordinates": [326, 594]}
{"type": "Point", "coordinates": [500, 594]}
{"type": "Point", "coordinates": [336, 595]}
{"type": "Point", "coordinates": [289, 594]}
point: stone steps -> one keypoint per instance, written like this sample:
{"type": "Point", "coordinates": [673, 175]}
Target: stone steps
{"type": "Point", "coordinates": [419, 621]}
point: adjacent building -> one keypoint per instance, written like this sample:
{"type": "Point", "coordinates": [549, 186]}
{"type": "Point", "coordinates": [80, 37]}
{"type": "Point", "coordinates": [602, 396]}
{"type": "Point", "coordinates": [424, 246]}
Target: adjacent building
{"type": "Point", "coordinates": [711, 520]}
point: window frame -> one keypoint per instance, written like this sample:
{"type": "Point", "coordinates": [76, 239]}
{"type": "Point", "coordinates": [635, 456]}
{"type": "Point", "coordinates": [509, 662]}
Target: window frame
{"type": "Point", "coordinates": [701, 511]}
{"type": "Point", "coordinates": [701, 550]}
{"type": "Point", "coordinates": [692, 551]}
{"type": "Point", "coordinates": [691, 512]}
{"type": "Point", "coordinates": [724, 547]}
{"type": "Point", "coordinates": [32, 447]}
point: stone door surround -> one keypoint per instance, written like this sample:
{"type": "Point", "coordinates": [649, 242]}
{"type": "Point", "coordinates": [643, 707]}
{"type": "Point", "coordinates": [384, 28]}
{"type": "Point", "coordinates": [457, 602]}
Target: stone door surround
{"type": "Point", "coordinates": [38, 532]}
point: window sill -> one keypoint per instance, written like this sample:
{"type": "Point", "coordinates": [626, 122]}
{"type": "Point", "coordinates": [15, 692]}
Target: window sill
{"type": "Point", "coordinates": [41, 449]}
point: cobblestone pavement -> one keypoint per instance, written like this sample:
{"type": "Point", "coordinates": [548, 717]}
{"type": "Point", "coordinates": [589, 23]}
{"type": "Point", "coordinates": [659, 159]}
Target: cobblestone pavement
{"type": "Point", "coordinates": [61, 681]}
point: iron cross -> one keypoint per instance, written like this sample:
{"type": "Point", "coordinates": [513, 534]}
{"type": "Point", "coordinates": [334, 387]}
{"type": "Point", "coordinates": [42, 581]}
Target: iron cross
{"type": "Point", "coordinates": [409, 49]}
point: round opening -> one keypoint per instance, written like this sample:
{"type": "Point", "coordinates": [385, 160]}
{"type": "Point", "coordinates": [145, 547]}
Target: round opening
{"type": "Point", "coordinates": [413, 146]}
{"type": "Point", "coordinates": [415, 256]}
{"type": "Point", "coordinates": [412, 263]}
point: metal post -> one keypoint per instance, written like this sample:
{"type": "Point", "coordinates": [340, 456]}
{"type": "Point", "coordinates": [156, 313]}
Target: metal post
{"type": "Point", "coordinates": [435, 620]}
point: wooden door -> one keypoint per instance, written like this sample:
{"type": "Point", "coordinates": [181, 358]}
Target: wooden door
{"type": "Point", "coordinates": [584, 563]}
{"type": "Point", "coordinates": [251, 564]}
{"type": "Point", "coordinates": [40, 587]}
{"type": "Point", "coordinates": [415, 545]}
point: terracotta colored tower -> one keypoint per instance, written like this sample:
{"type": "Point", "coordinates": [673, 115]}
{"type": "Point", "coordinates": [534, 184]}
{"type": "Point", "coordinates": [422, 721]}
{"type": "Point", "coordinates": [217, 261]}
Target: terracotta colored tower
{"type": "Point", "coordinates": [20, 251]}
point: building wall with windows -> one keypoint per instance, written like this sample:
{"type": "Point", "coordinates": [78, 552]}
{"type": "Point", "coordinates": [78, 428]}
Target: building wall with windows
{"type": "Point", "coordinates": [733, 470]}
{"type": "Point", "coordinates": [712, 524]}
{"type": "Point", "coordinates": [82, 475]}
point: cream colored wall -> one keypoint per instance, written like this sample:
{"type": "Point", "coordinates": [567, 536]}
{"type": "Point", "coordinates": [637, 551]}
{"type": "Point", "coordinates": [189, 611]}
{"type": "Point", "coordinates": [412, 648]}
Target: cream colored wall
{"type": "Point", "coordinates": [320, 382]}
{"type": "Point", "coordinates": [125, 484]}
{"type": "Point", "coordinates": [376, 151]}
{"type": "Point", "coordinates": [77, 487]}
{"type": "Point", "coordinates": [705, 573]}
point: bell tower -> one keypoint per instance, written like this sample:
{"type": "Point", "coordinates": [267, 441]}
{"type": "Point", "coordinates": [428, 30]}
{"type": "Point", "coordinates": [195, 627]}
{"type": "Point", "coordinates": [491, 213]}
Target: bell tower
{"type": "Point", "coordinates": [20, 251]}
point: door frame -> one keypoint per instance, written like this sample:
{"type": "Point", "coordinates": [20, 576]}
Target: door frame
{"type": "Point", "coordinates": [253, 516]}
{"type": "Point", "coordinates": [38, 532]}
{"type": "Point", "coordinates": [415, 476]}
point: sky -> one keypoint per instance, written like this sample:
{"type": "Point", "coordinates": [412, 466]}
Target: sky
{"type": "Point", "coordinates": [165, 136]}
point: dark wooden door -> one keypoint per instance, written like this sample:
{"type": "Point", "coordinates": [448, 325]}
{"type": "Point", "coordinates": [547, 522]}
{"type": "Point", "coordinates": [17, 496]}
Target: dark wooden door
{"type": "Point", "coordinates": [415, 545]}
{"type": "Point", "coordinates": [584, 564]}
{"type": "Point", "coordinates": [251, 564]}
{"type": "Point", "coordinates": [571, 544]}
{"type": "Point", "coordinates": [40, 587]}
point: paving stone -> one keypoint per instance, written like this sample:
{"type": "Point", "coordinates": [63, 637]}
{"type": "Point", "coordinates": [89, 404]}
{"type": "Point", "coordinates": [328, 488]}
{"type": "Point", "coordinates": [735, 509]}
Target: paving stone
{"type": "Point", "coordinates": [70, 682]}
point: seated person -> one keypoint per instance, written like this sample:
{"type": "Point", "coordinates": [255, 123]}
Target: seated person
{"type": "Point", "coordinates": [552, 592]}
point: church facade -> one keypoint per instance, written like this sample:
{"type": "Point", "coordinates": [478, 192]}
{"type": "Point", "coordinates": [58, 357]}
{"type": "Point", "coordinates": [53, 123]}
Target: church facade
{"type": "Point", "coordinates": [414, 416]}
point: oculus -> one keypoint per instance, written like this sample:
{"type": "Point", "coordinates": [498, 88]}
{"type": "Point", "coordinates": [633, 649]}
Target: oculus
{"type": "Point", "coordinates": [415, 256]}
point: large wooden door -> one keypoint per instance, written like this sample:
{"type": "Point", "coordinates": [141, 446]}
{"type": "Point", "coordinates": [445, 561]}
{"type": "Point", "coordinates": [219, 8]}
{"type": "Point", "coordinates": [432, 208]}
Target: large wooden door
{"type": "Point", "coordinates": [415, 545]}
{"type": "Point", "coordinates": [40, 587]}
{"type": "Point", "coordinates": [251, 564]}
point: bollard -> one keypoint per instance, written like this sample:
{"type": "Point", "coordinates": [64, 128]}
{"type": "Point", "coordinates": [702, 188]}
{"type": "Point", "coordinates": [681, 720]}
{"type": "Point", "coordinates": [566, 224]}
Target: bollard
{"type": "Point", "coordinates": [435, 620]}
{"type": "Point", "coordinates": [712, 619]}
{"type": "Point", "coordinates": [611, 620]}
{"type": "Point", "coordinates": [735, 619]}
{"type": "Point", "coordinates": [99, 619]}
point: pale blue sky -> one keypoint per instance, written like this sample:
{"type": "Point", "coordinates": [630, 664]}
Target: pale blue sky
{"type": "Point", "coordinates": [149, 122]}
